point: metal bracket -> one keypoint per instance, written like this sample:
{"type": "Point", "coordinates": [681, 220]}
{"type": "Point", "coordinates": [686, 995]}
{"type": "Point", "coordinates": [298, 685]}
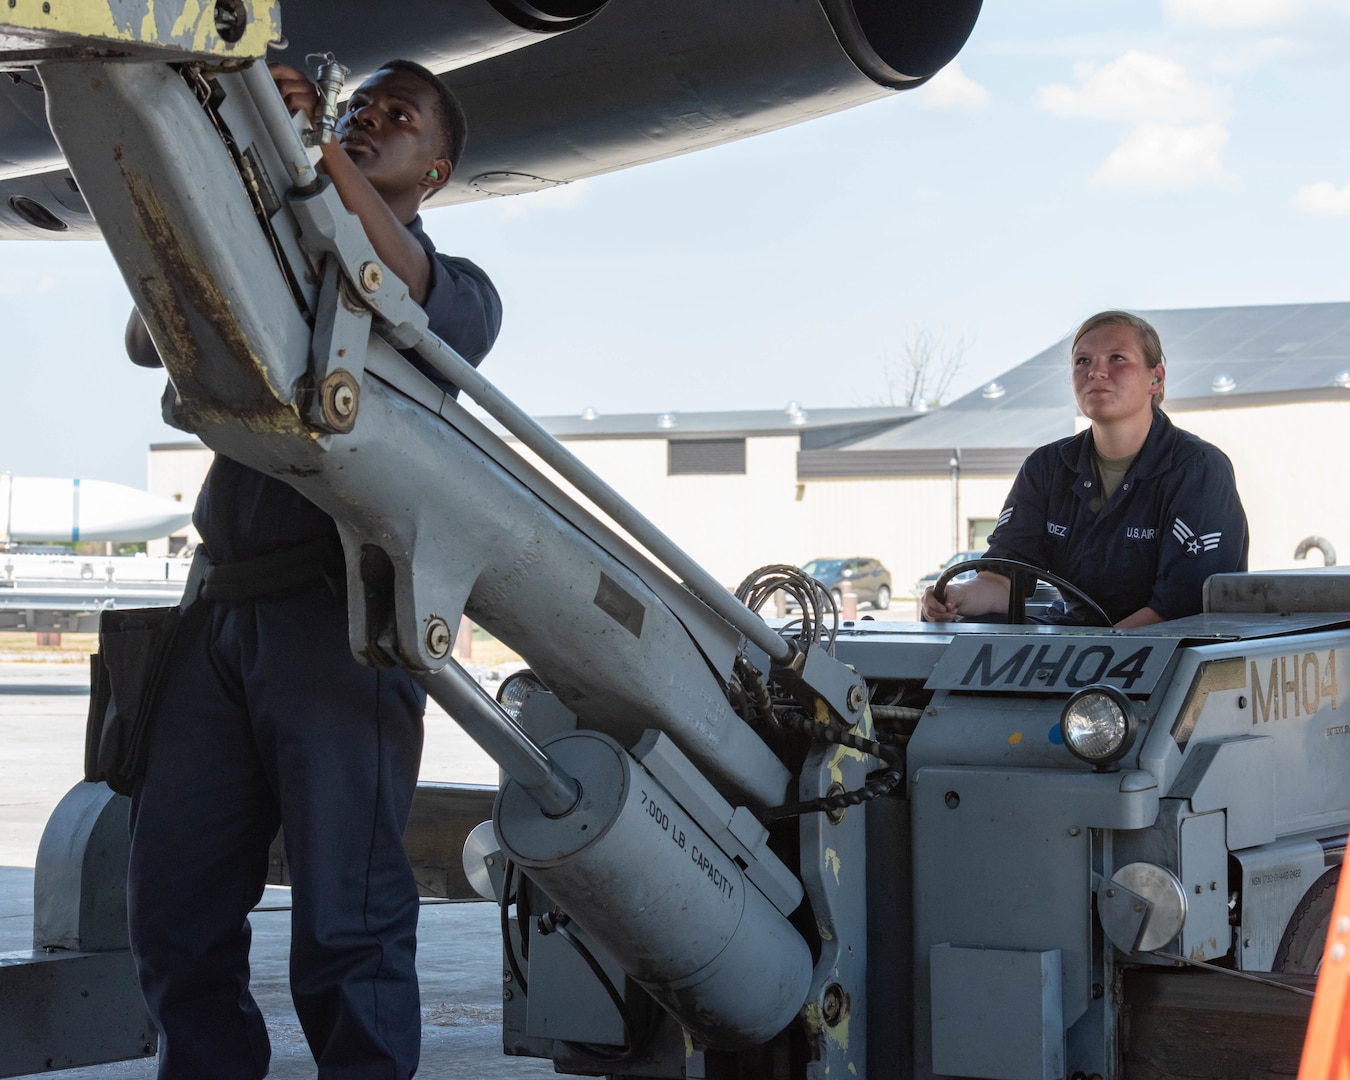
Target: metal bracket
{"type": "Point", "coordinates": [328, 229]}
{"type": "Point", "coordinates": [834, 868]}
{"type": "Point", "coordinates": [816, 675]}
{"type": "Point", "coordinates": [338, 355]}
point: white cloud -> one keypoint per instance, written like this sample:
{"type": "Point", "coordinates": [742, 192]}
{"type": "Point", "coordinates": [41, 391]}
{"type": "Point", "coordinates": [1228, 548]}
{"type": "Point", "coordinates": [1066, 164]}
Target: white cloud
{"type": "Point", "coordinates": [1167, 156]}
{"type": "Point", "coordinates": [1231, 12]}
{"type": "Point", "coordinates": [952, 88]}
{"type": "Point", "coordinates": [561, 197]}
{"type": "Point", "coordinates": [1177, 132]}
{"type": "Point", "coordinates": [1138, 86]}
{"type": "Point", "coordinates": [1324, 198]}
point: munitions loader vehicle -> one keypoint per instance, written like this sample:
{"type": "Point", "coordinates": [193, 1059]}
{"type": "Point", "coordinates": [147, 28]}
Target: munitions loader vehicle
{"type": "Point", "coordinates": [723, 847]}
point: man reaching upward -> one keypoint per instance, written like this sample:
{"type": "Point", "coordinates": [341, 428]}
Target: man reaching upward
{"type": "Point", "coordinates": [264, 718]}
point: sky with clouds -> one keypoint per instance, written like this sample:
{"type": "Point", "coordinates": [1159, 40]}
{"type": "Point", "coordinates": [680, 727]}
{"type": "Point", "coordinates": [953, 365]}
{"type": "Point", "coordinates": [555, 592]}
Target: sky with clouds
{"type": "Point", "coordinates": [1079, 154]}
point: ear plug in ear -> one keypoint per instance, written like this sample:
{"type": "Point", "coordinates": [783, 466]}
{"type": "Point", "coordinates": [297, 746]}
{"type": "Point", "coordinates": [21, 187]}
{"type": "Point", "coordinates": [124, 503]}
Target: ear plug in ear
{"type": "Point", "coordinates": [434, 175]}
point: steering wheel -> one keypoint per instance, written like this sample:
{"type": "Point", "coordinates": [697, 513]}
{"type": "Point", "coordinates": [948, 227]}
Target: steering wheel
{"type": "Point", "coordinates": [1018, 575]}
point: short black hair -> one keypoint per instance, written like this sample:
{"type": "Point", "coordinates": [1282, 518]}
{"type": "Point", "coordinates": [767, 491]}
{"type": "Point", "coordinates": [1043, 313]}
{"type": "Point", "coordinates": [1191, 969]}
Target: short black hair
{"type": "Point", "coordinates": [449, 112]}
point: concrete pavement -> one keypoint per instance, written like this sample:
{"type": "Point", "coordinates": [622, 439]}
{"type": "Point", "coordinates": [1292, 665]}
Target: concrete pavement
{"type": "Point", "coordinates": [42, 712]}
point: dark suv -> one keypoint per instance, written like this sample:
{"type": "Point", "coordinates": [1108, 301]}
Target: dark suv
{"type": "Point", "coordinates": [870, 581]}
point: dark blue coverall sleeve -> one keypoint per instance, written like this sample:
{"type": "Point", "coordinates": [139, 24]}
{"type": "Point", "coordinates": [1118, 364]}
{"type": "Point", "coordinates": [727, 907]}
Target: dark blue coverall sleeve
{"type": "Point", "coordinates": [1204, 532]}
{"type": "Point", "coordinates": [463, 310]}
{"type": "Point", "coordinates": [1020, 533]}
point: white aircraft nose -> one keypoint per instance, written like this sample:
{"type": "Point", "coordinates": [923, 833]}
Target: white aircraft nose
{"type": "Point", "coordinates": [38, 509]}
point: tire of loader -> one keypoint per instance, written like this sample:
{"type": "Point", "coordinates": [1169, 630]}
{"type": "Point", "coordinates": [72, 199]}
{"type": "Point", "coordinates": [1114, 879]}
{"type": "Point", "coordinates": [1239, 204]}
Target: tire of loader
{"type": "Point", "coordinates": [1300, 949]}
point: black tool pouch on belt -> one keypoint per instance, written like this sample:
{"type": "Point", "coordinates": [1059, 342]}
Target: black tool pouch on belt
{"type": "Point", "coordinates": [133, 648]}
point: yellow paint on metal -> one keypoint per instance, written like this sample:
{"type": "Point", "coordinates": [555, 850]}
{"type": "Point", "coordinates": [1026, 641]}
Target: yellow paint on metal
{"type": "Point", "coordinates": [836, 773]}
{"type": "Point", "coordinates": [853, 1069]}
{"type": "Point", "coordinates": [1014, 738]}
{"type": "Point", "coordinates": [66, 27]}
{"type": "Point", "coordinates": [148, 21]}
{"type": "Point", "coordinates": [865, 730]}
{"type": "Point", "coordinates": [824, 932]}
{"type": "Point", "coordinates": [832, 861]}
{"type": "Point", "coordinates": [839, 1033]}
{"type": "Point", "coordinates": [688, 1046]}
{"type": "Point", "coordinates": [840, 753]}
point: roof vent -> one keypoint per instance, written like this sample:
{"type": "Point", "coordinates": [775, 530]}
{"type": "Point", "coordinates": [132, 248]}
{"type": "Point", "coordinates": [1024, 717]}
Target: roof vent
{"type": "Point", "coordinates": [921, 406]}
{"type": "Point", "coordinates": [589, 414]}
{"type": "Point", "coordinates": [993, 390]}
{"type": "Point", "coordinates": [666, 420]}
{"type": "Point", "coordinates": [1222, 384]}
{"type": "Point", "coordinates": [1342, 380]}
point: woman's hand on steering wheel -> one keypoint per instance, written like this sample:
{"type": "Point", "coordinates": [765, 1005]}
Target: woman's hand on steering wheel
{"type": "Point", "coordinates": [1018, 575]}
{"type": "Point", "coordinates": [946, 610]}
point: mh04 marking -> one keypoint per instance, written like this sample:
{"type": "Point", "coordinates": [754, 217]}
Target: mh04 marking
{"type": "Point", "coordinates": [1007, 664]}
{"type": "Point", "coordinates": [1297, 684]}
{"type": "Point", "coordinates": [1055, 665]}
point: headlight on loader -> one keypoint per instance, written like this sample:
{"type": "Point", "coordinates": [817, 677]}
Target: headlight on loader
{"type": "Point", "coordinates": [515, 690]}
{"type": "Point", "coordinates": [1098, 725]}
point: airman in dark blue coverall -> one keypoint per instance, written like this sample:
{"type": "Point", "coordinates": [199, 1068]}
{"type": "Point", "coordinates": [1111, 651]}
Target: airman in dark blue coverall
{"type": "Point", "coordinates": [265, 719]}
{"type": "Point", "coordinates": [1134, 511]}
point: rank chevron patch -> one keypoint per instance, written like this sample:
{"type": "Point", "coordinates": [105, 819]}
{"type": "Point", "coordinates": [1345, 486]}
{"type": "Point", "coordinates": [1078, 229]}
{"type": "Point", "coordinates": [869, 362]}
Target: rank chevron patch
{"type": "Point", "coordinates": [1193, 544]}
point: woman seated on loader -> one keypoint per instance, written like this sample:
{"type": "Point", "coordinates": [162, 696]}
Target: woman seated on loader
{"type": "Point", "coordinates": [1134, 511]}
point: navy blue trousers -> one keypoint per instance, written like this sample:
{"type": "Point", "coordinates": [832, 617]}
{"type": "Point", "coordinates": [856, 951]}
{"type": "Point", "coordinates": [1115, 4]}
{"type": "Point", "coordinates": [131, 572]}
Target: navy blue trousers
{"type": "Point", "coordinates": [265, 719]}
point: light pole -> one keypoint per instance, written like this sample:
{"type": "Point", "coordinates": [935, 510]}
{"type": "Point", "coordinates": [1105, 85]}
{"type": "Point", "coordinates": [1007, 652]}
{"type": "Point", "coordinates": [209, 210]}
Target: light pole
{"type": "Point", "coordinates": [955, 466]}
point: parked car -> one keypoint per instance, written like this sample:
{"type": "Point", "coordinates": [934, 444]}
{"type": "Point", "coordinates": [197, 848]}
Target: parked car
{"type": "Point", "coordinates": [959, 557]}
{"type": "Point", "coordinates": [869, 580]}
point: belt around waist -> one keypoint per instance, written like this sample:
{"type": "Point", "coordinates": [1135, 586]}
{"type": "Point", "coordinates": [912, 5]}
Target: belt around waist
{"type": "Point", "coordinates": [277, 571]}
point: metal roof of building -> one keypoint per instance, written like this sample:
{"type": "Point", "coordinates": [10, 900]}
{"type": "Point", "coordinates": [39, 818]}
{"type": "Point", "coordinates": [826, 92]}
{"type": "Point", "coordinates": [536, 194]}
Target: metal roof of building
{"type": "Point", "coordinates": [732, 424]}
{"type": "Point", "coordinates": [1216, 358]}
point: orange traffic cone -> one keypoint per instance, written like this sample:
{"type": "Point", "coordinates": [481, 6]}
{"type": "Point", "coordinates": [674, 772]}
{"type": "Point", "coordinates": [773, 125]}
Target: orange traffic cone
{"type": "Point", "coordinates": [1326, 1050]}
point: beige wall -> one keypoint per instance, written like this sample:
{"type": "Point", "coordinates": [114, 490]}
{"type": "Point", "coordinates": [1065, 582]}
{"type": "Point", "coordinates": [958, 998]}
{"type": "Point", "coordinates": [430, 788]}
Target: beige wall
{"type": "Point", "coordinates": [729, 524]}
{"type": "Point", "coordinates": [1290, 462]}
{"type": "Point", "coordinates": [176, 474]}
{"type": "Point", "coordinates": [734, 524]}
{"type": "Point", "coordinates": [1288, 459]}
{"type": "Point", "coordinates": [906, 523]}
